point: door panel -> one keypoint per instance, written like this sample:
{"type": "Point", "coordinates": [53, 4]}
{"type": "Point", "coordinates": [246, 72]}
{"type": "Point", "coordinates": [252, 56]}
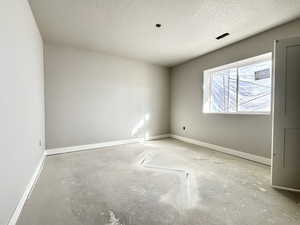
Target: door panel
{"type": "Point", "coordinates": [286, 115]}
{"type": "Point", "coordinates": [291, 152]}
{"type": "Point", "coordinates": [293, 79]}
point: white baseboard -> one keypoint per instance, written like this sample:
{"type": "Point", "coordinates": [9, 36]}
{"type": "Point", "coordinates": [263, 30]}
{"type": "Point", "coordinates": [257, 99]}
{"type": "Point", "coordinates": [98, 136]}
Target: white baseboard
{"type": "Point", "coordinates": [244, 155]}
{"type": "Point", "coordinates": [14, 218]}
{"type": "Point", "coordinates": [63, 150]}
{"type": "Point", "coordinates": [229, 151]}
{"type": "Point", "coordinates": [285, 188]}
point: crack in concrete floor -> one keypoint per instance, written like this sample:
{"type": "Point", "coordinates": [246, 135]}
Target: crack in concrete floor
{"type": "Point", "coordinates": [145, 162]}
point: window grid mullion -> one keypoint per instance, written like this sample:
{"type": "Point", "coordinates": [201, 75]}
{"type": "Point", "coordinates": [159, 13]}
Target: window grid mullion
{"type": "Point", "coordinates": [228, 92]}
{"type": "Point", "coordinates": [210, 89]}
{"type": "Point", "coordinates": [237, 89]}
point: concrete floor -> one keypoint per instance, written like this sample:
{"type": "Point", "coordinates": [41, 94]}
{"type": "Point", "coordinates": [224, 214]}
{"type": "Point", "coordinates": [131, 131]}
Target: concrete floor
{"type": "Point", "coordinates": [163, 182]}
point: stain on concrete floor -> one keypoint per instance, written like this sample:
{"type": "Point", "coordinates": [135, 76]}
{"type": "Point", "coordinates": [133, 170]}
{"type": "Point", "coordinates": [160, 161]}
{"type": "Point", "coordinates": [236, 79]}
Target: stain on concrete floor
{"type": "Point", "coordinates": [163, 182]}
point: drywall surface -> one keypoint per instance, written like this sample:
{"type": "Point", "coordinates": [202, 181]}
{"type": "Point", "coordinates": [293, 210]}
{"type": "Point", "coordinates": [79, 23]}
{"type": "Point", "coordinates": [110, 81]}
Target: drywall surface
{"type": "Point", "coordinates": [21, 102]}
{"type": "Point", "coordinates": [247, 133]}
{"type": "Point", "coordinates": [93, 97]}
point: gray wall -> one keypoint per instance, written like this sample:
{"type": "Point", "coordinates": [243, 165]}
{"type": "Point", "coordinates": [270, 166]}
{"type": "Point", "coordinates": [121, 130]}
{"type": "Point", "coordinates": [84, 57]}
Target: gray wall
{"type": "Point", "coordinates": [21, 102]}
{"type": "Point", "coordinates": [247, 133]}
{"type": "Point", "coordinates": [93, 97]}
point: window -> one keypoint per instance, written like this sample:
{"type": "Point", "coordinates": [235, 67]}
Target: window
{"type": "Point", "coordinates": [243, 87]}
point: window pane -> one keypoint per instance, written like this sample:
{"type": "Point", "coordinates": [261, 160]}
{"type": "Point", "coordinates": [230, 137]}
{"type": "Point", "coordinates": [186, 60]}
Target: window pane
{"type": "Point", "coordinates": [254, 94]}
{"type": "Point", "coordinates": [243, 86]}
{"type": "Point", "coordinates": [232, 102]}
{"type": "Point", "coordinates": [223, 91]}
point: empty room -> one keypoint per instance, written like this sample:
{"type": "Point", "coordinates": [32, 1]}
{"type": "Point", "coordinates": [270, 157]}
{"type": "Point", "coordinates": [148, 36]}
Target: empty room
{"type": "Point", "coordinates": [150, 112]}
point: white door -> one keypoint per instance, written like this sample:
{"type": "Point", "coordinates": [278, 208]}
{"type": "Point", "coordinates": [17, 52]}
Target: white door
{"type": "Point", "coordinates": [286, 115]}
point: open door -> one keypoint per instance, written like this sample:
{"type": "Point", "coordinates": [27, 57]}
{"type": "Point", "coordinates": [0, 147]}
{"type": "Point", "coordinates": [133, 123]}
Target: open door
{"type": "Point", "coordinates": [286, 115]}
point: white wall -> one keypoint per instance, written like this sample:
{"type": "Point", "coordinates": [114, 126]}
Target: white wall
{"type": "Point", "coordinates": [247, 133]}
{"type": "Point", "coordinates": [21, 102]}
{"type": "Point", "coordinates": [93, 97]}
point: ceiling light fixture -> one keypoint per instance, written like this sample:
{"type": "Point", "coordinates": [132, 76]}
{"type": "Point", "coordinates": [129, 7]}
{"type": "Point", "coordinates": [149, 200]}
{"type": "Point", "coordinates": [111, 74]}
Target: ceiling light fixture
{"type": "Point", "coordinates": [222, 36]}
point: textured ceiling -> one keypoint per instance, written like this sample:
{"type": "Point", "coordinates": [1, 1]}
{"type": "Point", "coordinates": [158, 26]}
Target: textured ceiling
{"type": "Point", "coordinates": [127, 27]}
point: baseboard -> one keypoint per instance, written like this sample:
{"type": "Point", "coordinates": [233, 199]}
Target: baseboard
{"type": "Point", "coordinates": [244, 155]}
{"type": "Point", "coordinates": [14, 218]}
{"type": "Point", "coordinates": [55, 151]}
{"type": "Point", "coordinates": [286, 188]}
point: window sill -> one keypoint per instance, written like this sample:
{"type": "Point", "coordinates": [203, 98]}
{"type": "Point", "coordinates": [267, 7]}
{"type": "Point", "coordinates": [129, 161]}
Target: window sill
{"type": "Point", "coordinates": [239, 113]}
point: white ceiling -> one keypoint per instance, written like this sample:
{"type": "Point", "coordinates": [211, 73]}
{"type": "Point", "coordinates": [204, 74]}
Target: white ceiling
{"type": "Point", "coordinates": [127, 27]}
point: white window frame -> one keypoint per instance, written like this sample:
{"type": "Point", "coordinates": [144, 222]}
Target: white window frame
{"type": "Point", "coordinates": [207, 88]}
